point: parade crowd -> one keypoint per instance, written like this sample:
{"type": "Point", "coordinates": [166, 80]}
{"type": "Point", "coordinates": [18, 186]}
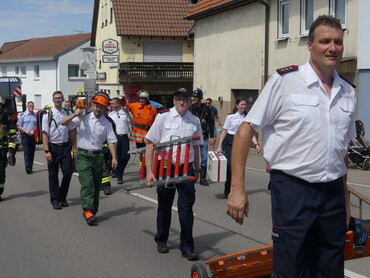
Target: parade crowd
{"type": "Point", "coordinates": [307, 117]}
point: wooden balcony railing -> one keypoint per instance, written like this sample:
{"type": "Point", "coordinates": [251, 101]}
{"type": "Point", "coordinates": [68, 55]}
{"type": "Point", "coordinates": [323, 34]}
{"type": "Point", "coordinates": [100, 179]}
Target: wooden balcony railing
{"type": "Point", "coordinates": [155, 73]}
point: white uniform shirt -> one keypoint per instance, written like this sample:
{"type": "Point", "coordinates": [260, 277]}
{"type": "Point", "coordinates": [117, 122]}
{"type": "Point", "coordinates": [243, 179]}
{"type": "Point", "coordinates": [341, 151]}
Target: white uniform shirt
{"type": "Point", "coordinates": [232, 122]}
{"type": "Point", "coordinates": [93, 131]}
{"type": "Point", "coordinates": [305, 134]}
{"type": "Point", "coordinates": [170, 125]}
{"type": "Point", "coordinates": [57, 133]}
{"type": "Point", "coordinates": [121, 120]}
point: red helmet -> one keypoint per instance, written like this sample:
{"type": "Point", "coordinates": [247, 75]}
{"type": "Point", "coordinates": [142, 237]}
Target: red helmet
{"type": "Point", "coordinates": [100, 100]}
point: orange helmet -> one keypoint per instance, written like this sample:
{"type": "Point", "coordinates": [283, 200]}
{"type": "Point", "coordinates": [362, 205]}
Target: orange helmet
{"type": "Point", "coordinates": [100, 100]}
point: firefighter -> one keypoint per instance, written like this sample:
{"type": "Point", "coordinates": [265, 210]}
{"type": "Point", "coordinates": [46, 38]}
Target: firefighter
{"type": "Point", "coordinates": [144, 115]}
{"type": "Point", "coordinates": [7, 143]}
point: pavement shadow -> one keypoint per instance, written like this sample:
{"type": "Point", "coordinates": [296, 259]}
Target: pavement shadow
{"type": "Point", "coordinates": [203, 243]}
{"type": "Point", "coordinates": [122, 211]}
{"type": "Point", "coordinates": [31, 194]}
{"type": "Point", "coordinates": [74, 201]}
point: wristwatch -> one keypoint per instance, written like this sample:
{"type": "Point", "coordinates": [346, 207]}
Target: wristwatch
{"type": "Point", "coordinates": [46, 151]}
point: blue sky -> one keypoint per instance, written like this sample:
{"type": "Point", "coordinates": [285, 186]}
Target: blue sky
{"type": "Point", "coordinates": [26, 19]}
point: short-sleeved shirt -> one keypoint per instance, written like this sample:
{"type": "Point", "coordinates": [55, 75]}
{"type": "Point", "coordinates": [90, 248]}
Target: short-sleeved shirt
{"type": "Point", "coordinates": [93, 131]}
{"type": "Point", "coordinates": [233, 121]}
{"type": "Point", "coordinates": [121, 121]}
{"type": "Point", "coordinates": [56, 132]}
{"type": "Point", "coordinates": [214, 112]}
{"type": "Point", "coordinates": [27, 121]}
{"type": "Point", "coordinates": [170, 125]}
{"type": "Point", "coordinates": [305, 133]}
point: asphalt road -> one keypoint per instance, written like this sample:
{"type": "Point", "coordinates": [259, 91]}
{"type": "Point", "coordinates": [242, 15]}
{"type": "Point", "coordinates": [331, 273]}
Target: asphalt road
{"type": "Point", "coordinates": [37, 241]}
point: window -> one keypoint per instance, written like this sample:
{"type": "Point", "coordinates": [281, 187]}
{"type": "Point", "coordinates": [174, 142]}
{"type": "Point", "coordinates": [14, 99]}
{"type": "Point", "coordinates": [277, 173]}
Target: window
{"type": "Point", "coordinates": [75, 71]}
{"type": "Point", "coordinates": [102, 16]}
{"type": "Point", "coordinates": [16, 70]}
{"type": "Point", "coordinates": [36, 71]}
{"type": "Point", "coordinates": [4, 71]}
{"type": "Point", "coordinates": [23, 70]}
{"type": "Point", "coordinates": [338, 8]}
{"type": "Point", "coordinates": [307, 14]}
{"type": "Point", "coordinates": [284, 13]}
{"type": "Point", "coordinates": [111, 11]}
{"type": "Point", "coordinates": [82, 73]}
{"type": "Point", "coordinates": [106, 14]}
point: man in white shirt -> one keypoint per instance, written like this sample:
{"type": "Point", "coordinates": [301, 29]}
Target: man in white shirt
{"type": "Point", "coordinates": [93, 130]}
{"type": "Point", "coordinates": [122, 119]}
{"type": "Point", "coordinates": [57, 142]}
{"type": "Point", "coordinates": [175, 123]}
{"type": "Point", "coordinates": [307, 115]}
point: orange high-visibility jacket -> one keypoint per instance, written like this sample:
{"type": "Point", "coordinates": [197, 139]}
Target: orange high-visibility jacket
{"type": "Point", "coordinates": [144, 117]}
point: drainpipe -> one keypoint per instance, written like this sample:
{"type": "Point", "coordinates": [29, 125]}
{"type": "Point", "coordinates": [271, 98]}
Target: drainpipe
{"type": "Point", "coordinates": [267, 30]}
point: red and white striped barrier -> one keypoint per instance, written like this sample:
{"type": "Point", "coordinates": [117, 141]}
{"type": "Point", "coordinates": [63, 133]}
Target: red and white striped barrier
{"type": "Point", "coordinates": [163, 172]}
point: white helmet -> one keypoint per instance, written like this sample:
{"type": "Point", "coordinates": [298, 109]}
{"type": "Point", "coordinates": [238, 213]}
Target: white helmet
{"type": "Point", "coordinates": [143, 94]}
{"type": "Point", "coordinates": [2, 101]}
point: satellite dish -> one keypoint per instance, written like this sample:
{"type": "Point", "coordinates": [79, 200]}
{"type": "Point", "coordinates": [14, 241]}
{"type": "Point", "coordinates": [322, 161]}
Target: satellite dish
{"type": "Point", "coordinates": [85, 64]}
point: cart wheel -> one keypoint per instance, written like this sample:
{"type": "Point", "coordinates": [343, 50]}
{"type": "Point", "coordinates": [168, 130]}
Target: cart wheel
{"type": "Point", "coordinates": [199, 271]}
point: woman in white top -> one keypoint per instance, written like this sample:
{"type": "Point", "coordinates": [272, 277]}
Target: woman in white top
{"type": "Point", "coordinates": [231, 126]}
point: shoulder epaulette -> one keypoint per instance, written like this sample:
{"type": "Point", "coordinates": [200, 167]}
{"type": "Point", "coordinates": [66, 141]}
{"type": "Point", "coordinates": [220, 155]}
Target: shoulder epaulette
{"type": "Point", "coordinates": [287, 69]}
{"type": "Point", "coordinates": [164, 111]}
{"type": "Point", "coordinates": [353, 86]}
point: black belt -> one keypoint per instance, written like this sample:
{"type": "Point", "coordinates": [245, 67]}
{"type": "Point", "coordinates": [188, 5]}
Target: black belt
{"type": "Point", "coordinates": [122, 135]}
{"type": "Point", "coordinates": [146, 128]}
{"type": "Point", "coordinates": [90, 152]}
{"type": "Point", "coordinates": [60, 144]}
{"type": "Point", "coordinates": [276, 171]}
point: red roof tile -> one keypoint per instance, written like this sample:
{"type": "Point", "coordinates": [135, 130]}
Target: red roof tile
{"type": "Point", "coordinates": [43, 47]}
{"type": "Point", "coordinates": [164, 18]}
{"type": "Point", "coordinates": [10, 45]}
{"type": "Point", "coordinates": [208, 7]}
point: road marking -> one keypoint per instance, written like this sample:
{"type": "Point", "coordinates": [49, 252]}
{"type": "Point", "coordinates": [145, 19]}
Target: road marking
{"type": "Point", "coordinates": [146, 198]}
{"type": "Point", "coordinates": [44, 164]}
{"type": "Point", "coordinates": [351, 274]}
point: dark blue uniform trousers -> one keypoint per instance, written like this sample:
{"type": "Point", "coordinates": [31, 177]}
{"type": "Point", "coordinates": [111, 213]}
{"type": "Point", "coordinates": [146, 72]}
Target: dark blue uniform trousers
{"type": "Point", "coordinates": [123, 146]}
{"type": "Point", "coordinates": [29, 146]}
{"type": "Point", "coordinates": [185, 202]}
{"type": "Point", "coordinates": [309, 227]}
{"type": "Point", "coordinates": [227, 146]}
{"type": "Point", "coordinates": [61, 156]}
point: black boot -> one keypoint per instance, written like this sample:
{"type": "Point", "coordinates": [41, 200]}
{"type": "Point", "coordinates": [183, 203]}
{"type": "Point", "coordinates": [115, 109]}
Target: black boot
{"type": "Point", "coordinates": [203, 177]}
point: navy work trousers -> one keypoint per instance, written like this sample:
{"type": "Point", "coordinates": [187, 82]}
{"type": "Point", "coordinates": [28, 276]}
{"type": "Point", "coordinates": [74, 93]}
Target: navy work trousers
{"type": "Point", "coordinates": [227, 146]}
{"type": "Point", "coordinates": [123, 146]}
{"type": "Point", "coordinates": [61, 156]}
{"type": "Point", "coordinates": [185, 202]}
{"type": "Point", "coordinates": [29, 146]}
{"type": "Point", "coordinates": [309, 227]}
